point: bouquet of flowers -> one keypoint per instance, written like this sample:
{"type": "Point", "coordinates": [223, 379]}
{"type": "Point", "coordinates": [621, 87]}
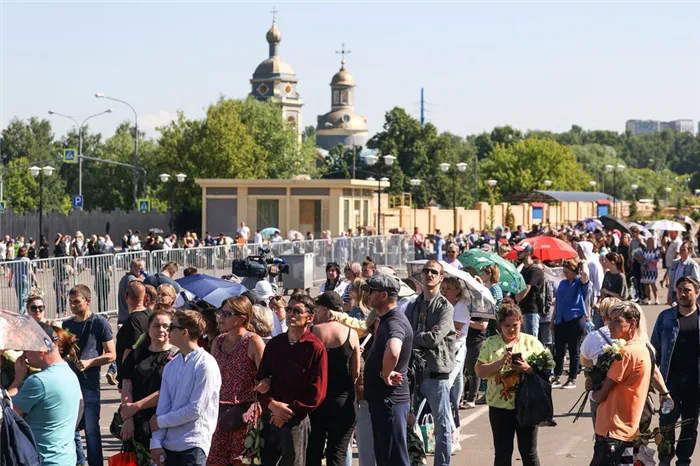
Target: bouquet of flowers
{"type": "Point", "coordinates": [599, 371]}
{"type": "Point", "coordinates": [416, 452]}
{"type": "Point", "coordinates": [663, 445]}
{"type": "Point", "coordinates": [542, 362]}
{"type": "Point", "coordinates": [253, 443]}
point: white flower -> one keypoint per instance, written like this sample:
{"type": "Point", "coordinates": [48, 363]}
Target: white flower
{"type": "Point", "coordinates": [256, 460]}
{"type": "Point", "coordinates": [607, 349]}
{"type": "Point", "coordinates": [245, 460]}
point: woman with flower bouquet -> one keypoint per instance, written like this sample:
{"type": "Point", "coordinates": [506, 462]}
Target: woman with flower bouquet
{"type": "Point", "coordinates": [625, 386]}
{"type": "Point", "coordinates": [502, 362]}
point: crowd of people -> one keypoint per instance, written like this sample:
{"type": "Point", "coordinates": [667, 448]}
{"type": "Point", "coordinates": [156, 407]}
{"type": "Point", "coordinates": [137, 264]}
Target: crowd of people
{"type": "Point", "coordinates": [356, 364]}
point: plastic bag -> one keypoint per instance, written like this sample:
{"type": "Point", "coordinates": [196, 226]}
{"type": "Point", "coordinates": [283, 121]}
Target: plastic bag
{"type": "Point", "coordinates": [533, 402]}
{"type": "Point", "coordinates": [427, 428]}
{"type": "Point", "coordinates": [123, 459]}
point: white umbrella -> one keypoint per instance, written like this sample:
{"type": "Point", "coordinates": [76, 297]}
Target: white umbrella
{"type": "Point", "coordinates": [642, 229]}
{"type": "Point", "coordinates": [22, 333]}
{"type": "Point", "coordinates": [667, 225]}
{"type": "Point", "coordinates": [483, 302]}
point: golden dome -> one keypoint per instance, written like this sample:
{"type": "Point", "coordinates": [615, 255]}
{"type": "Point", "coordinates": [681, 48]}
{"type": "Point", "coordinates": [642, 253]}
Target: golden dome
{"type": "Point", "coordinates": [342, 77]}
{"type": "Point", "coordinates": [274, 36]}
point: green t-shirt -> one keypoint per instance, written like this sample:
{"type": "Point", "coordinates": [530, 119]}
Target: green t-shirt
{"type": "Point", "coordinates": [50, 401]}
{"type": "Point", "coordinates": [501, 386]}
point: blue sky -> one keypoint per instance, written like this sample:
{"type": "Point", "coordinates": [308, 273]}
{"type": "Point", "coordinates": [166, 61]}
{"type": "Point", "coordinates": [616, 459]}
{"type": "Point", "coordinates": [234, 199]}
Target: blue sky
{"type": "Point", "coordinates": [530, 65]}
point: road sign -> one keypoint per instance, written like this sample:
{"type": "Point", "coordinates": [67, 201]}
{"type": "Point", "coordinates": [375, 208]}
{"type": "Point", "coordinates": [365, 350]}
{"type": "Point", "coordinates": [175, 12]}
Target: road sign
{"type": "Point", "coordinates": [78, 201]}
{"type": "Point", "coordinates": [3, 207]}
{"type": "Point", "coordinates": [144, 205]}
{"type": "Point", "coordinates": [70, 156]}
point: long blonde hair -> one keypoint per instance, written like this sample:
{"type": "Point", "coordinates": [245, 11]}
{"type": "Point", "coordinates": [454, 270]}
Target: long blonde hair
{"type": "Point", "coordinates": [362, 295]}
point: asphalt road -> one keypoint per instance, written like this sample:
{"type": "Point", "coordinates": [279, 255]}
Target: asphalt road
{"type": "Point", "coordinates": [567, 443]}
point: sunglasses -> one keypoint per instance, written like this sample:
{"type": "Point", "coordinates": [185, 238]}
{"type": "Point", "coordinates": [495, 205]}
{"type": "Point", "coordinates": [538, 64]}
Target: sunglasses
{"type": "Point", "coordinates": [37, 308]}
{"type": "Point", "coordinates": [173, 327]}
{"type": "Point", "coordinates": [431, 271]}
{"type": "Point", "coordinates": [224, 313]}
{"type": "Point", "coordinates": [295, 311]}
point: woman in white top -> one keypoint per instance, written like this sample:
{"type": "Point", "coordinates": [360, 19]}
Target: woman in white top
{"type": "Point", "coordinates": [334, 281]}
{"type": "Point", "coordinates": [454, 290]}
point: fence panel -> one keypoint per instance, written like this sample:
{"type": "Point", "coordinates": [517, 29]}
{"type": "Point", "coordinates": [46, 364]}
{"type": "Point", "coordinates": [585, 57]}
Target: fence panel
{"type": "Point", "coordinates": [158, 259]}
{"type": "Point", "coordinates": [98, 272]}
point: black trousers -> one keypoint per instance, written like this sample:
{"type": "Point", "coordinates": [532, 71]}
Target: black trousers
{"type": "Point", "coordinates": [609, 451]}
{"type": "Point", "coordinates": [504, 427]}
{"type": "Point", "coordinates": [684, 391]}
{"type": "Point", "coordinates": [191, 457]}
{"type": "Point", "coordinates": [568, 334]}
{"type": "Point", "coordinates": [285, 446]}
{"type": "Point", "coordinates": [389, 423]}
{"type": "Point", "coordinates": [332, 425]}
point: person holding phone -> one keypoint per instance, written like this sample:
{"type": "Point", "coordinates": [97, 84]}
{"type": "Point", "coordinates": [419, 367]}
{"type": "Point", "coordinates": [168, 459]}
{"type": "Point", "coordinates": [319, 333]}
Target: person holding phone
{"type": "Point", "coordinates": [502, 361]}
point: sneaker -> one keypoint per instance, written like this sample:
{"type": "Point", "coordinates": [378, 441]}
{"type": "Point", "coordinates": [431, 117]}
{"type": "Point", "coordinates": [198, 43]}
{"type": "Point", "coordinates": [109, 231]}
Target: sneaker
{"type": "Point", "coordinates": [456, 447]}
{"type": "Point", "coordinates": [569, 384]}
{"type": "Point", "coordinates": [556, 383]}
{"type": "Point", "coordinates": [469, 405]}
{"type": "Point", "coordinates": [111, 378]}
{"type": "Point", "coordinates": [481, 400]}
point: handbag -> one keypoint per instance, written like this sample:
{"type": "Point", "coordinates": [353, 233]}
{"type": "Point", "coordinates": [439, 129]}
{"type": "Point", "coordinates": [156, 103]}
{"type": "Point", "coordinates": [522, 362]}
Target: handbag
{"type": "Point", "coordinates": [427, 428]}
{"type": "Point", "coordinates": [123, 459]}
{"type": "Point", "coordinates": [231, 416]}
{"type": "Point", "coordinates": [117, 424]}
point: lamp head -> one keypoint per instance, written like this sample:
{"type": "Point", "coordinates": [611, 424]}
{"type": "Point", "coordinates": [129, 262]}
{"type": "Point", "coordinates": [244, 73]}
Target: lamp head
{"type": "Point", "coordinates": [371, 159]}
{"type": "Point", "coordinates": [668, 190]}
{"type": "Point", "coordinates": [548, 183]}
{"type": "Point", "coordinates": [609, 168]}
{"type": "Point", "coordinates": [109, 110]}
{"type": "Point", "coordinates": [620, 167]}
{"type": "Point", "coordinates": [634, 187]}
{"type": "Point", "coordinates": [371, 178]}
{"type": "Point", "coordinates": [389, 160]}
{"type": "Point", "coordinates": [180, 177]}
{"type": "Point", "coordinates": [164, 177]}
{"type": "Point", "coordinates": [461, 166]}
{"type": "Point", "coordinates": [492, 183]}
{"type": "Point", "coordinates": [444, 167]}
{"type": "Point", "coordinates": [35, 171]}
{"type": "Point", "coordinates": [51, 112]}
{"type": "Point", "coordinates": [384, 178]}
{"type": "Point", "coordinates": [48, 171]}
{"type": "Point", "coordinates": [592, 183]}
{"type": "Point", "coordinates": [415, 182]}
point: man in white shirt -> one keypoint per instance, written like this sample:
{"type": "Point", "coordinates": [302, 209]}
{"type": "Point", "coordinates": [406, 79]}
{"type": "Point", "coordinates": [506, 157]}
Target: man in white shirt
{"type": "Point", "coordinates": [673, 249]}
{"type": "Point", "coordinates": [244, 231]}
{"type": "Point", "coordinates": [188, 407]}
{"type": "Point", "coordinates": [257, 238]}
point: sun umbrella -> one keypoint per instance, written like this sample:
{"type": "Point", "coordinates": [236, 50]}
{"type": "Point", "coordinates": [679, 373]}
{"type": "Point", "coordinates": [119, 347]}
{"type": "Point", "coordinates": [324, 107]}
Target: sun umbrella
{"type": "Point", "coordinates": [510, 280]}
{"type": "Point", "coordinates": [667, 225]}
{"type": "Point", "coordinates": [613, 223]}
{"type": "Point", "coordinates": [269, 231]}
{"type": "Point", "coordinates": [294, 235]}
{"type": "Point", "coordinates": [589, 225]}
{"type": "Point", "coordinates": [483, 302]}
{"type": "Point", "coordinates": [687, 220]}
{"type": "Point", "coordinates": [211, 289]}
{"type": "Point", "coordinates": [22, 333]}
{"type": "Point", "coordinates": [642, 229]}
{"type": "Point", "coordinates": [547, 248]}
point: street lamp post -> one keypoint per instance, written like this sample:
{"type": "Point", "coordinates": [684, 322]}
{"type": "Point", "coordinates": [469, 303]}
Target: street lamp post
{"type": "Point", "coordinates": [608, 169]}
{"type": "Point", "coordinates": [136, 142]}
{"type": "Point", "coordinates": [388, 162]}
{"type": "Point", "coordinates": [164, 178]}
{"type": "Point", "coordinates": [592, 184]}
{"type": "Point", "coordinates": [620, 169]}
{"type": "Point", "coordinates": [492, 184]}
{"type": "Point", "coordinates": [668, 191]}
{"type": "Point", "coordinates": [41, 172]}
{"type": "Point", "coordinates": [415, 183]}
{"type": "Point", "coordinates": [445, 167]}
{"type": "Point", "coordinates": [81, 127]}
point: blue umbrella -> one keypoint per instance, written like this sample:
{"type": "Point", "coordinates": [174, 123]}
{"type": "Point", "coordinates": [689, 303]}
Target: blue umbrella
{"type": "Point", "coordinates": [591, 224]}
{"type": "Point", "coordinates": [211, 289]}
{"type": "Point", "coordinates": [270, 231]}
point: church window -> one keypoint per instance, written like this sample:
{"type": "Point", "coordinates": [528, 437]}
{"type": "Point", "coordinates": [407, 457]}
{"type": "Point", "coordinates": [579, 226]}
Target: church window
{"type": "Point", "coordinates": [344, 98]}
{"type": "Point", "coordinates": [335, 97]}
{"type": "Point", "coordinates": [262, 89]}
{"type": "Point", "coordinates": [288, 89]}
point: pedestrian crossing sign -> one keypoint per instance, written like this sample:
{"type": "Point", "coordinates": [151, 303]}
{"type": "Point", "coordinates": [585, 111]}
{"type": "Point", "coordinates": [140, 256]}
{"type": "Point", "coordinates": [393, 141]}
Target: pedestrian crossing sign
{"type": "Point", "coordinates": [144, 205]}
{"type": "Point", "coordinates": [70, 156]}
{"type": "Point", "coordinates": [3, 206]}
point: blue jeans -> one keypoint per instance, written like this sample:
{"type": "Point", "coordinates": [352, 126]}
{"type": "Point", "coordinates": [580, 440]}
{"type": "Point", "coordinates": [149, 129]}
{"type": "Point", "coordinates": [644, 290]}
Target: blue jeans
{"type": "Point", "coordinates": [363, 431]}
{"type": "Point", "coordinates": [389, 423]}
{"type": "Point", "coordinates": [457, 387]}
{"type": "Point", "coordinates": [91, 398]}
{"type": "Point", "coordinates": [437, 392]}
{"type": "Point", "coordinates": [531, 324]}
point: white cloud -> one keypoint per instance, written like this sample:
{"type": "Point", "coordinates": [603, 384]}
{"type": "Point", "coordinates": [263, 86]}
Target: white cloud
{"type": "Point", "coordinates": [150, 121]}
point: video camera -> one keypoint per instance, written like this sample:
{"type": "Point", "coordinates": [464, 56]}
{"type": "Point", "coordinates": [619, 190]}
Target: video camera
{"type": "Point", "coordinates": [260, 266]}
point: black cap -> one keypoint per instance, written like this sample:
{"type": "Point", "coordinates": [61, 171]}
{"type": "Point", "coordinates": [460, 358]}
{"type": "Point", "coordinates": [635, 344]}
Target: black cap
{"type": "Point", "coordinates": [331, 300]}
{"type": "Point", "coordinates": [50, 332]}
{"type": "Point", "coordinates": [381, 282]}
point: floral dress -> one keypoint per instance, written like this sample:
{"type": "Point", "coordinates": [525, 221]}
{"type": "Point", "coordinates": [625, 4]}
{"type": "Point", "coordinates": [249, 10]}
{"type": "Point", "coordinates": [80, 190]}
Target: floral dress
{"type": "Point", "coordinates": [650, 271]}
{"type": "Point", "coordinates": [237, 383]}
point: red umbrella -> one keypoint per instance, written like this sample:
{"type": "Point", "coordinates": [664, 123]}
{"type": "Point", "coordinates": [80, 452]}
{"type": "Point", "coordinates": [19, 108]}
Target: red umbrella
{"type": "Point", "coordinates": [547, 248]}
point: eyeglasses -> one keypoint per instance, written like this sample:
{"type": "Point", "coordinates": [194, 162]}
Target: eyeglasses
{"type": "Point", "coordinates": [431, 271]}
{"type": "Point", "coordinates": [224, 313]}
{"type": "Point", "coordinates": [173, 327]}
{"type": "Point", "coordinates": [37, 308]}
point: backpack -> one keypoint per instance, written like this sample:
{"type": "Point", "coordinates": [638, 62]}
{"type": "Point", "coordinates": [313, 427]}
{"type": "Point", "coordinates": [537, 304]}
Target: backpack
{"type": "Point", "coordinates": [545, 299]}
{"type": "Point", "coordinates": [648, 412]}
{"type": "Point", "coordinates": [417, 369]}
{"type": "Point", "coordinates": [17, 444]}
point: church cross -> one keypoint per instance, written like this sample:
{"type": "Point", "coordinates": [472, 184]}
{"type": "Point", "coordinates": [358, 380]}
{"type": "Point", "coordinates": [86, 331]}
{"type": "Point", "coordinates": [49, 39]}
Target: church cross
{"type": "Point", "coordinates": [274, 12]}
{"type": "Point", "coordinates": [343, 51]}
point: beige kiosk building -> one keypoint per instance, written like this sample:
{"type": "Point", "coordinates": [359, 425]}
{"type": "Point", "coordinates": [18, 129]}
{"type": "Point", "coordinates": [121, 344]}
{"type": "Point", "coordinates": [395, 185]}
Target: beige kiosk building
{"type": "Point", "coordinates": [303, 205]}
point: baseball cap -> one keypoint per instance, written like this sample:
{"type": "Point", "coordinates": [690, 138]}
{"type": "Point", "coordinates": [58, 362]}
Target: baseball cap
{"type": "Point", "coordinates": [331, 300]}
{"type": "Point", "coordinates": [524, 246]}
{"type": "Point", "coordinates": [381, 282]}
{"type": "Point", "coordinates": [264, 289]}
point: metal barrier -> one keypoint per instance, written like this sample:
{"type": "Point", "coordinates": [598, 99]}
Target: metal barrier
{"type": "Point", "coordinates": [54, 277]}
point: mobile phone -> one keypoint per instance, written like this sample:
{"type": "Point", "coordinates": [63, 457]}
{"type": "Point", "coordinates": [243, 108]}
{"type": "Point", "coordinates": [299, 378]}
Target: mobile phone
{"type": "Point", "coordinates": [516, 356]}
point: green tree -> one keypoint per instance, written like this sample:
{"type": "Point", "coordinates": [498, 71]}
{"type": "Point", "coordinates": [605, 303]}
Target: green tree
{"type": "Point", "coordinates": [33, 140]}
